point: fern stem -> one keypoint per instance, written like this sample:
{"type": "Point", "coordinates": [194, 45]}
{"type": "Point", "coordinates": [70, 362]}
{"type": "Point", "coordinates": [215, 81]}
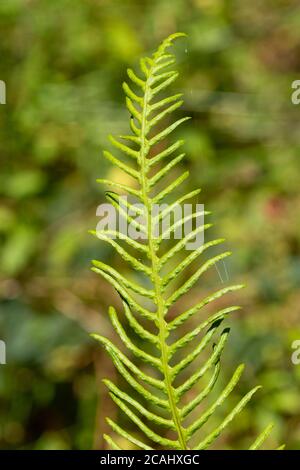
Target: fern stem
{"type": "Point", "coordinates": [156, 279]}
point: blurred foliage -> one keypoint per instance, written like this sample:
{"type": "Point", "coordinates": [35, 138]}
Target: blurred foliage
{"type": "Point", "coordinates": [63, 63]}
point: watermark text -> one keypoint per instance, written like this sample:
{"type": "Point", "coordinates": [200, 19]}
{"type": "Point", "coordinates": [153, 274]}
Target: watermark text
{"type": "Point", "coordinates": [2, 92]}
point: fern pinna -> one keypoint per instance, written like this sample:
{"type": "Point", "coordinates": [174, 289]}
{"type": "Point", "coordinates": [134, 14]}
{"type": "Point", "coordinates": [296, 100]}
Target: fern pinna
{"type": "Point", "coordinates": [154, 400]}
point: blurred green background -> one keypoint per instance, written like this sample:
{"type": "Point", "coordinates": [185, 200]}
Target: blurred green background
{"type": "Point", "coordinates": [63, 62]}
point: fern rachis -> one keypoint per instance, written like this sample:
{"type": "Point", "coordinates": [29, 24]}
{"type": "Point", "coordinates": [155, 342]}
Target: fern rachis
{"type": "Point", "coordinates": [159, 391]}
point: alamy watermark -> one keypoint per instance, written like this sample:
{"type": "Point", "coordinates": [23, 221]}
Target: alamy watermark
{"type": "Point", "coordinates": [295, 358]}
{"type": "Point", "coordinates": [2, 352]}
{"type": "Point", "coordinates": [296, 94]}
{"type": "Point", "coordinates": [2, 92]}
{"type": "Point", "coordinates": [162, 222]}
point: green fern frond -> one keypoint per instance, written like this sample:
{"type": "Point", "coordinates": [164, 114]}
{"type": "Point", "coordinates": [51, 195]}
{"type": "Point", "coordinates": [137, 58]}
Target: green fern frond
{"type": "Point", "coordinates": [155, 400]}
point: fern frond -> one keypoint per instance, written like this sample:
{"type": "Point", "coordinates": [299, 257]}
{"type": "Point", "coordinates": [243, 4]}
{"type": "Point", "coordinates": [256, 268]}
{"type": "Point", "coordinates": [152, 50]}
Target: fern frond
{"type": "Point", "coordinates": [153, 400]}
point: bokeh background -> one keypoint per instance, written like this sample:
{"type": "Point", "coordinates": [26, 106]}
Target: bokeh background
{"type": "Point", "coordinates": [63, 62]}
